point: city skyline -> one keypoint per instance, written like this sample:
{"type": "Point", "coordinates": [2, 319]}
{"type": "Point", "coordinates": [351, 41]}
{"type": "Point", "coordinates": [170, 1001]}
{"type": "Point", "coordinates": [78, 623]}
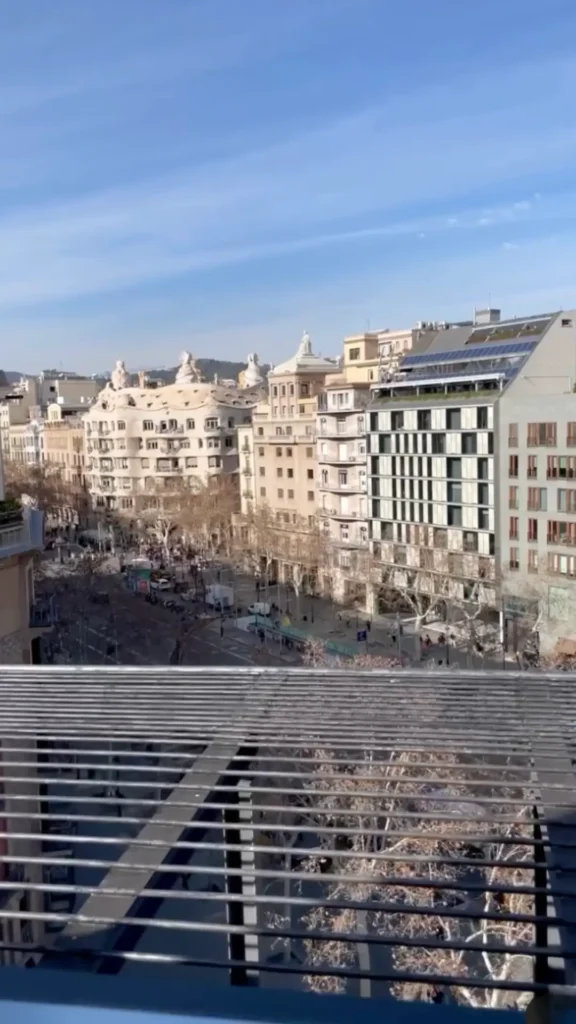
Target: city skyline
{"type": "Point", "coordinates": [196, 179]}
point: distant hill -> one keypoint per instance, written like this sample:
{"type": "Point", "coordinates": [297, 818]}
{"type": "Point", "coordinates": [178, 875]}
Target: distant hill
{"type": "Point", "coordinates": [208, 367]}
{"type": "Point", "coordinates": [226, 370]}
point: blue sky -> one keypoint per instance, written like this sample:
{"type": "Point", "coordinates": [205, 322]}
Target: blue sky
{"type": "Point", "coordinates": [221, 174]}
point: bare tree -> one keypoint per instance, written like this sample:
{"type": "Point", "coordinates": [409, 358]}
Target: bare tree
{"type": "Point", "coordinates": [415, 593]}
{"type": "Point", "coordinates": [373, 796]}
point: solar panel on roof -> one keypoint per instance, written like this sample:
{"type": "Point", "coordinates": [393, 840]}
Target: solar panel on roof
{"type": "Point", "coordinates": [467, 354]}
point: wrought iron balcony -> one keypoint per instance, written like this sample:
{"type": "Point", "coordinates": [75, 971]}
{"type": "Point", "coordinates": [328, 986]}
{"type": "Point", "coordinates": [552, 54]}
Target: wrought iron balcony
{"type": "Point", "coordinates": [391, 834]}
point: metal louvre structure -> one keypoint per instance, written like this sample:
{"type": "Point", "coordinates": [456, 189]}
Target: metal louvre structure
{"type": "Point", "coordinates": [411, 831]}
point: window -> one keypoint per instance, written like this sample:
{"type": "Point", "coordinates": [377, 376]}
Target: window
{"type": "Point", "coordinates": [283, 391]}
{"type": "Point", "coordinates": [291, 389]}
{"type": "Point", "coordinates": [537, 499]}
{"type": "Point", "coordinates": [190, 425]}
{"type": "Point", "coordinates": [566, 501]}
{"type": "Point", "coordinates": [148, 425]}
{"type": "Point", "coordinates": [213, 442]}
{"type": "Point", "coordinates": [228, 442]}
{"type": "Point", "coordinates": [278, 453]}
{"type": "Point", "coordinates": [483, 494]}
{"type": "Point", "coordinates": [470, 541]}
{"type": "Point", "coordinates": [301, 409]}
{"type": "Point", "coordinates": [513, 527]}
{"type": "Point", "coordinates": [482, 469]}
{"type": "Point", "coordinates": [513, 497]}
{"type": "Point", "coordinates": [514, 561]}
{"type": "Point", "coordinates": [453, 419]}
{"type": "Point", "coordinates": [438, 444]}
{"type": "Point", "coordinates": [310, 474]}
{"type": "Point", "coordinates": [262, 492]}
{"type": "Point", "coordinates": [482, 417]}
{"type": "Point", "coordinates": [512, 435]}
{"type": "Point", "coordinates": [353, 353]}
{"type": "Point", "coordinates": [454, 493]}
{"type": "Point", "coordinates": [279, 471]}
{"type": "Point", "coordinates": [469, 444]}
{"type": "Point", "coordinates": [290, 494]}
{"type": "Point", "coordinates": [151, 445]}
{"type": "Point", "coordinates": [280, 492]}
{"type": "Point", "coordinates": [343, 478]}
{"type": "Point", "coordinates": [290, 474]}
{"type": "Point", "coordinates": [309, 453]}
{"type": "Point", "coordinates": [454, 469]}
{"type": "Point", "coordinates": [214, 461]}
{"type": "Point", "coordinates": [562, 565]}
{"type": "Point", "coordinates": [122, 426]}
{"type": "Point", "coordinates": [211, 423]}
{"type": "Point", "coordinates": [304, 390]}
{"type": "Point", "coordinates": [310, 495]}
{"type": "Point", "coordinates": [532, 469]}
{"type": "Point", "coordinates": [288, 430]}
{"type": "Point", "coordinates": [261, 453]}
{"type": "Point", "coordinates": [289, 453]}
{"type": "Point", "coordinates": [127, 503]}
{"type": "Point", "coordinates": [260, 431]}
{"type": "Point", "coordinates": [397, 420]}
{"type": "Point", "coordinates": [191, 462]}
{"type": "Point", "coordinates": [424, 419]}
{"type": "Point", "coordinates": [200, 442]}
{"type": "Point", "coordinates": [561, 533]}
{"type": "Point", "coordinates": [262, 471]}
{"type": "Point", "coordinates": [385, 443]}
{"type": "Point", "coordinates": [122, 463]}
{"type": "Point", "coordinates": [532, 560]}
{"type": "Point", "coordinates": [454, 515]}
{"type": "Point", "coordinates": [562, 467]}
{"type": "Point", "coordinates": [513, 465]}
{"type": "Point", "coordinates": [532, 529]}
{"type": "Point", "coordinates": [571, 434]}
{"type": "Point", "coordinates": [275, 391]}
{"type": "Point", "coordinates": [483, 519]}
{"type": "Point", "coordinates": [541, 434]}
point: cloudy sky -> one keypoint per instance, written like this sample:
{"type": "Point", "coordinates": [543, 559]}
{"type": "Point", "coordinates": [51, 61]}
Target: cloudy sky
{"type": "Point", "coordinates": [221, 174]}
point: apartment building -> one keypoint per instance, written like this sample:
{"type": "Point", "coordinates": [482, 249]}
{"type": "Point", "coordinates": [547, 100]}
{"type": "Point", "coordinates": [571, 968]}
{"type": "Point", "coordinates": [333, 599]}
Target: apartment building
{"type": "Point", "coordinates": [21, 534]}
{"type": "Point", "coordinates": [278, 466]}
{"type": "Point", "coordinates": [341, 476]}
{"type": "Point", "coordinates": [447, 430]}
{"type": "Point", "coordinates": [23, 412]}
{"type": "Point", "coordinates": [139, 440]}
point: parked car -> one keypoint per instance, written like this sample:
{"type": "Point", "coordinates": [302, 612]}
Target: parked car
{"type": "Point", "coordinates": [160, 584]}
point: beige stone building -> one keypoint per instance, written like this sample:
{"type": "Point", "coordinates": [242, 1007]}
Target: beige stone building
{"type": "Point", "coordinates": [21, 534]}
{"type": "Point", "coordinates": [140, 441]}
{"type": "Point", "coordinates": [278, 454]}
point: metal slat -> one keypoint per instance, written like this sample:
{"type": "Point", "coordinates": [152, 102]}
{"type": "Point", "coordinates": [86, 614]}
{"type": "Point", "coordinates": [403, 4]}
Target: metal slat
{"type": "Point", "coordinates": [446, 830]}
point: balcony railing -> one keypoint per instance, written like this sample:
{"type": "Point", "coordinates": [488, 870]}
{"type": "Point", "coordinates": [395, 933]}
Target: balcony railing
{"type": "Point", "coordinates": [178, 429]}
{"type": "Point", "coordinates": [453, 851]}
{"type": "Point", "coordinates": [329, 431]}
{"type": "Point", "coordinates": [27, 534]}
{"type": "Point", "coordinates": [330, 457]}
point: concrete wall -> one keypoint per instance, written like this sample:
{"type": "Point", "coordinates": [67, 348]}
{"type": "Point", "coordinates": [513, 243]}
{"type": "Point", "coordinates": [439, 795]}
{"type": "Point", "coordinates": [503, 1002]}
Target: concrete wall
{"type": "Point", "coordinates": [542, 393]}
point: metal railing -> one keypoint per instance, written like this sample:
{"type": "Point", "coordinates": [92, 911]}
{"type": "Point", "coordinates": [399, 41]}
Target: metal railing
{"type": "Point", "coordinates": [384, 832]}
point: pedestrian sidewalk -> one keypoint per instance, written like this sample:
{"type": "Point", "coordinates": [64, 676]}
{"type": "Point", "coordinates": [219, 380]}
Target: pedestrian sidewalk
{"type": "Point", "coordinates": [253, 645]}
